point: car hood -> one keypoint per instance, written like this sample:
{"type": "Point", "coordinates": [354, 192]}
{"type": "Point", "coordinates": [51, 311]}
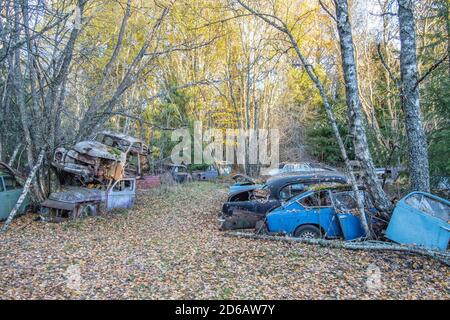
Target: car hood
{"type": "Point", "coordinates": [76, 195]}
{"type": "Point", "coordinates": [99, 150]}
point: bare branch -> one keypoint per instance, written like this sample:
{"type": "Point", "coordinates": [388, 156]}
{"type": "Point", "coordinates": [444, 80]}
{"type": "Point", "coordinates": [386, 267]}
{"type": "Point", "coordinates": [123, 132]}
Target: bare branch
{"type": "Point", "coordinates": [383, 62]}
{"type": "Point", "coordinates": [324, 7]}
{"type": "Point", "coordinates": [430, 70]}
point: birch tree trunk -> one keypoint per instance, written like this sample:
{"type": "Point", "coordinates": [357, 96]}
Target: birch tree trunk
{"type": "Point", "coordinates": [14, 155]}
{"type": "Point", "coordinates": [19, 87]}
{"type": "Point", "coordinates": [26, 188]}
{"type": "Point", "coordinates": [354, 108]}
{"type": "Point", "coordinates": [417, 142]}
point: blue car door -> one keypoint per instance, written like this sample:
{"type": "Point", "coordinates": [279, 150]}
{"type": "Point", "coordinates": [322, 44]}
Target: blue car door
{"type": "Point", "coordinates": [293, 215]}
{"type": "Point", "coordinates": [311, 208]}
{"type": "Point", "coordinates": [11, 192]}
{"type": "Point", "coordinates": [5, 202]}
{"type": "Point", "coordinates": [322, 213]}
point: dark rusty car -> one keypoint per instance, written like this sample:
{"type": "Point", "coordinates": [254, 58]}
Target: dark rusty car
{"type": "Point", "coordinates": [108, 157]}
{"type": "Point", "coordinates": [135, 150]}
{"type": "Point", "coordinates": [178, 173]}
{"type": "Point", "coordinates": [74, 202]}
{"type": "Point", "coordinates": [244, 209]}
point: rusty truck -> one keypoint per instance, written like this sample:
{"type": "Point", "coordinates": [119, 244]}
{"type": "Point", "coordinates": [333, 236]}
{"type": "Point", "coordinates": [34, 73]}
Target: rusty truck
{"type": "Point", "coordinates": [74, 202]}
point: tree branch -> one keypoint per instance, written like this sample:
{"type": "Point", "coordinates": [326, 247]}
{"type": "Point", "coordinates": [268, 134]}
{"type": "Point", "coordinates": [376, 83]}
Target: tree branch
{"type": "Point", "coordinates": [383, 62]}
{"type": "Point", "coordinates": [430, 70]}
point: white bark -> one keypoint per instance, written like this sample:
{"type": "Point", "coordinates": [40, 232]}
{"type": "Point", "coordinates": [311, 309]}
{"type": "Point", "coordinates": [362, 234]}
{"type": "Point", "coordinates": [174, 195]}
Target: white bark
{"type": "Point", "coordinates": [354, 108]}
{"type": "Point", "coordinates": [14, 155]}
{"type": "Point", "coordinates": [26, 188]}
{"type": "Point", "coordinates": [417, 141]}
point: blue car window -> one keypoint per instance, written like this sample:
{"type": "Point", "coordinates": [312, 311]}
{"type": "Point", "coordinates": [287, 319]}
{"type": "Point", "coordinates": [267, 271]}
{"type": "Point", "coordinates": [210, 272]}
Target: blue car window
{"type": "Point", "coordinates": [311, 201]}
{"type": "Point", "coordinates": [345, 201]}
{"type": "Point", "coordinates": [324, 198]}
{"type": "Point", "coordinates": [1, 185]}
{"type": "Point", "coordinates": [10, 183]}
{"type": "Point", "coordinates": [430, 206]}
{"type": "Point", "coordinates": [291, 190]}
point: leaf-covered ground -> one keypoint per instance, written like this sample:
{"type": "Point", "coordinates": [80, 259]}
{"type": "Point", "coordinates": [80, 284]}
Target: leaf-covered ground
{"type": "Point", "coordinates": [168, 247]}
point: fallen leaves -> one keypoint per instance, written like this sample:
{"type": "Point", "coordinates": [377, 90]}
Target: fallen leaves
{"type": "Point", "coordinates": [168, 247]}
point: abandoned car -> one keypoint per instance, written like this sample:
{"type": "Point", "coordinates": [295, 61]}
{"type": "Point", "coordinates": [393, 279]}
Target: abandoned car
{"type": "Point", "coordinates": [77, 202]}
{"type": "Point", "coordinates": [90, 161]}
{"type": "Point", "coordinates": [10, 191]}
{"type": "Point", "coordinates": [245, 208]}
{"type": "Point", "coordinates": [422, 219]}
{"type": "Point", "coordinates": [324, 213]}
{"type": "Point", "coordinates": [210, 173]}
{"type": "Point", "coordinates": [298, 167]}
{"type": "Point", "coordinates": [136, 151]}
{"type": "Point", "coordinates": [179, 173]}
{"type": "Point", "coordinates": [110, 156]}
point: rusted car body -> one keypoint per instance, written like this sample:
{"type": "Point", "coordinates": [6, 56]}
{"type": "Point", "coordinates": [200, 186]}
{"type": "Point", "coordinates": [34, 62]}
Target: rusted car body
{"type": "Point", "coordinates": [211, 173]}
{"type": "Point", "coordinates": [77, 202]}
{"type": "Point", "coordinates": [135, 150]}
{"type": "Point", "coordinates": [110, 156]}
{"type": "Point", "coordinates": [244, 209]}
{"type": "Point", "coordinates": [91, 161]}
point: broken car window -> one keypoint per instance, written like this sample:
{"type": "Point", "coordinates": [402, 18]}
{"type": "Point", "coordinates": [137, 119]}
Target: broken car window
{"type": "Point", "coordinates": [429, 206]}
{"type": "Point", "coordinates": [311, 201]}
{"type": "Point", "coordinates": [124, 185]}
{"type": "Point", "coordinates": [325, 200]}
{"type": "Point", "coordinates": [345, 201]}
{"type": "Point", "coordinates": [291, 190]}
{"type": "Point", "coordinates": [10, 183]}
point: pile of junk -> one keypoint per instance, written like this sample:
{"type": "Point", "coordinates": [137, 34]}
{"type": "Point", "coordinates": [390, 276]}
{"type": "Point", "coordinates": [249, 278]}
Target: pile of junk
{"type": "Point", "coordinates": [318, 203]}
{"type": "Point", "coordinates": [104, 173]}
{"type": "Point", "coordinates": [96, 176]}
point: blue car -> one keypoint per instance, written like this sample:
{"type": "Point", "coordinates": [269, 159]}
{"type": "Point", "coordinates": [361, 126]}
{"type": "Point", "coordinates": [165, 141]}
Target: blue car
{"type": "Point", "coordinates": [10, 191]}
{"type": "Point", "coordinates": [422, 219]}
{"type": "Point", "coordinates": [329, 213]}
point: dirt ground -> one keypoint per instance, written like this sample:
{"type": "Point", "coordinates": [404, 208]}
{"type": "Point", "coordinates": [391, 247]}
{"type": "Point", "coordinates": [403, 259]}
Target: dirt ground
{"type": "Point", "coordinates": [168, 247]}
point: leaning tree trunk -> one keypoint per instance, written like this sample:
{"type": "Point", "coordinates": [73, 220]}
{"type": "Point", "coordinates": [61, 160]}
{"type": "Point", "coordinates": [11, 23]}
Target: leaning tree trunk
{"type": "Point", "coordinates": [417, 142]}
{"type": "Point", "coordinates": [354, 108]}
{"type": "Point", "coordinates": [25, 191]}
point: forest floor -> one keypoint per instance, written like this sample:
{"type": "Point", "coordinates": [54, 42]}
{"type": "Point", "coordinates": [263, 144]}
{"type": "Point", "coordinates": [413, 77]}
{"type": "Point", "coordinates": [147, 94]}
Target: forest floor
{"type": "Point", "coordinates": [169, 247]}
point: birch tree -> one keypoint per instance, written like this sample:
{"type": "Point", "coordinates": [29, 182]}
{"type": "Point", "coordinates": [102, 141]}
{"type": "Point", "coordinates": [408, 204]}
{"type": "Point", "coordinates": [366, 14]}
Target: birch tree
{"type": "Point", "coordinates": [417, 142]}
{"type": "Point", "coordinates": [354, 107]}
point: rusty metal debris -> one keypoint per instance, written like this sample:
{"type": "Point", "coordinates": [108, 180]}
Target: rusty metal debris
{"type": "Point", "coordinates": [97, 175]}
{"type": "Point", "coordinates": [109, 157]}
{"type": "Point", "coordinates": [78, 202]}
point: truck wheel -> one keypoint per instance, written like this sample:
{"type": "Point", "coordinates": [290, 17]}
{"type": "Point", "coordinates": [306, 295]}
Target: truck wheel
{"type": "Point", "coordinates": [307, 232]}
